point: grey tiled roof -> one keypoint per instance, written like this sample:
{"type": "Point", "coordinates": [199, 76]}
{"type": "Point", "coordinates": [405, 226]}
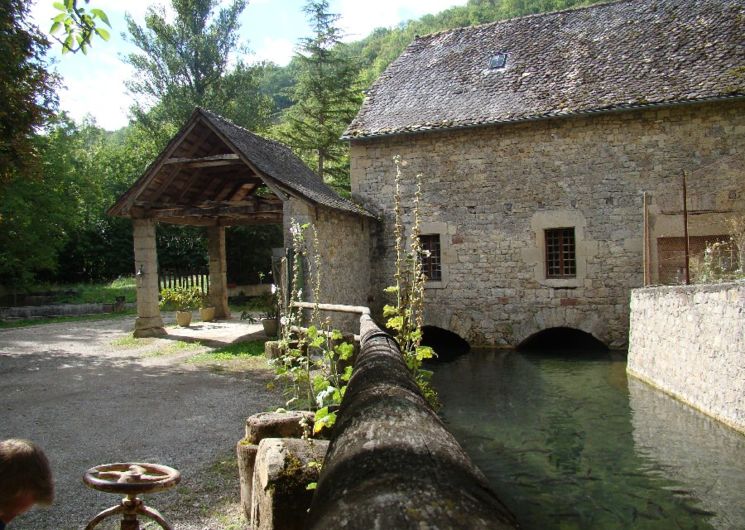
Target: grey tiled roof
{"type": "Point", "coordinates": [627, 54]}
{"type": "Point", "coordinates": [278, 162]}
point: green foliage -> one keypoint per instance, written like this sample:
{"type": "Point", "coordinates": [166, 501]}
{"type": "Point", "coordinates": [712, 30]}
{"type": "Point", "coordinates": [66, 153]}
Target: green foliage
{"type": "Point", "coordinates": [406, 317]}
{"type": "Point", "coordinates": [185, 62]}
{"type": "Point", "coordinates": [231, 352]}
{"type": "Point", "coordinates": [181, 298]}
{"type": "Point", "coordinates": [77, 25]}
{"type": "Point", "coordinates": [27, 92]}
{"type": "Point", "coordinates": [325, 98]}
{"type": "Point", "coordinates": [722, 260]}
{"type": "Point", "coordinates": [315, 365]}
{"type": "Point", "coordinates": [249, 252]}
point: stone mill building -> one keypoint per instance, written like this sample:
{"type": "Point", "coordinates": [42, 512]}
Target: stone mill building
{"type": "Point", "coordinates": [551, 149]}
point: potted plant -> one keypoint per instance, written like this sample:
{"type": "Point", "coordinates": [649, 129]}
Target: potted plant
{"type": "Point", "coordinates": [183, 299]}
{"type": "Point", "coordinates": [206, 309]}
{"type": "Point", "coordinates": [270, 316]}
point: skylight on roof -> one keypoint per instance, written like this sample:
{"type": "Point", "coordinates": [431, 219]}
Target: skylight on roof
{"type": "Point", "coordinates": [497, 61]}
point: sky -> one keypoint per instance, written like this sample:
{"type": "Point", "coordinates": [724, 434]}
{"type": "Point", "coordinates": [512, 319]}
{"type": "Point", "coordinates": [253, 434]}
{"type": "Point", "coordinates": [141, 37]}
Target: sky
{"type": "Point", "coordinates": [94, 84]}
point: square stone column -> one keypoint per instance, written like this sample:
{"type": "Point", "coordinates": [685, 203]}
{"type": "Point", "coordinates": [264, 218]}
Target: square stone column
{"type": "Point", "coordinates": [148, 323]}
{"type": "Point", "coordinates": [218, 271]}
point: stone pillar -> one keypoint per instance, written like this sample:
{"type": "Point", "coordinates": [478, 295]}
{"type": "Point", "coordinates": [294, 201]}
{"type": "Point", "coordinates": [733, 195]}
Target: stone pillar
{"type": "Point", "coordinates": [148, 323]}
{"type": "Point", "coordinates": [218, 271]}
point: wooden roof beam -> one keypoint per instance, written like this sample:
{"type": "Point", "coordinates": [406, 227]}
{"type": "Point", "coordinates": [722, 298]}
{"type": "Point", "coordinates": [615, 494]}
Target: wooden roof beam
{"type": "Point", "coordinates": [207, 161]}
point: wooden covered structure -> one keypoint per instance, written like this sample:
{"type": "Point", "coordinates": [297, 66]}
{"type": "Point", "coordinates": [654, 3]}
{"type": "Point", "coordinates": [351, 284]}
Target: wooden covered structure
{"type": "Point", "coordinates": [213, 173]}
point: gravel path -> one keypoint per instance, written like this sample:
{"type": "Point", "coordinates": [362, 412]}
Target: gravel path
{"type": "Point", "coordinates": [88, 396]}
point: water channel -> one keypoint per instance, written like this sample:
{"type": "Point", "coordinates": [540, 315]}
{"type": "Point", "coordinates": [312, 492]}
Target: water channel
{"type": "Point", "coordinates": [568, 442]}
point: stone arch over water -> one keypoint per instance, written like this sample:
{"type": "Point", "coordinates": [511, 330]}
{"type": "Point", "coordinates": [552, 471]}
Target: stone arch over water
{"type": "Point", "coordinates": [592, 323]}
{"type": "Point", "coordinates": [447, 344]}
{"type": "Point", "coordinates": [562, 339]}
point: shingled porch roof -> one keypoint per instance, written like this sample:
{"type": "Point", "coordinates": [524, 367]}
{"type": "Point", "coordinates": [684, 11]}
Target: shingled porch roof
{"type": "Point", "coordinates": [214, 172]}
{"type": "Point", "coordinates": [621, 55]}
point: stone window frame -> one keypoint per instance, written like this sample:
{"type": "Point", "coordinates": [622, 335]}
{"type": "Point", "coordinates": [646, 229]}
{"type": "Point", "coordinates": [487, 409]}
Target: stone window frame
{"type": "Point", "coordinates": [535, 256]}
{"type": "Point", "coordinates": [447, 256]}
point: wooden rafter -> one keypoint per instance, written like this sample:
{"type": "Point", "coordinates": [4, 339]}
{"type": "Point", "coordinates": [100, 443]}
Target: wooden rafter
{"type": "Point", "coordinates": [207, 161]}
{"type": "Point", "coordinates": [209, 209]}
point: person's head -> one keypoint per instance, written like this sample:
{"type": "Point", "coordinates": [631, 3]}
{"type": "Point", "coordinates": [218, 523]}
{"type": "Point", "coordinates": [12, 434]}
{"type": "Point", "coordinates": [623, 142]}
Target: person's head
{"type": "Point", "coordinates": [25, 478]}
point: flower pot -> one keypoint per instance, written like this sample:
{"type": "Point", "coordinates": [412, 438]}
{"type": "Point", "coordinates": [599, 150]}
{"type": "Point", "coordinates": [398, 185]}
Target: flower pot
{"type": "Point", "coordinates": [183, 318]}
{"type": "Point", "coordinates": [207, 314]}
{"type": "Point", "coordinates": [270, 327]}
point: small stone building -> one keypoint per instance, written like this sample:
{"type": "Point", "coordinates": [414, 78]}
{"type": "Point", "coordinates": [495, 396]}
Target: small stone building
{"type": "Point", "coordinates": [552, 149]}
{"type": "Point", "coordinates": [216, 174]}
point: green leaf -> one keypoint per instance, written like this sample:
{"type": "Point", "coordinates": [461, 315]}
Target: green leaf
{"type": "Point", "coordinates": [395, 323]}
{"type": "Point", "coordinates": [312, 332]}
{"type": "Point", "coordinates": [100, 14]}
{"type": "Point", "coordinates": [311, 486]}
{"type": "Point", "coordinates": [345, 351]}
{"type": "Point", "coordinates": [55, 28]}
{"type": "Point", "coordinates": [59, 6]}
{"type": "Point", "coordinates": [60, 18]}
{"type": "Point", "coordinates": [67, 45]}
{"type": "Point", "coordinates": [391, 290]}
{"type": "Point", "coordinates": [347, 375]}
{"type": "Point", "coordinates": [389, 310]}
{"type": "Point", "coordinates": [336, 335]}
{"type": "Point", "coordinates": [424, 352]}
{"type": "Point", "coordinates": [320, 383]}
{"type": "Point", "coordinates": [326, 421]}
{"type": "Point", "coordinates": [69, 5]}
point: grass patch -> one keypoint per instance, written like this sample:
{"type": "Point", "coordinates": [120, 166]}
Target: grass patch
{"type": "Point", "coordinates": [129, 341]}
{"type": "Point", "coordinates": [55, 320]}
{"type": "Point", "coordinates": [232, 352]}
{"type": "Point", "coordinates": [175, 347]}
{"type": "Point", "coordinates": [94, 293]}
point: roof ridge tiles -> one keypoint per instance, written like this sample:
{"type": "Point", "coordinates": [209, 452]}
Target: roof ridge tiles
{"type": "Point", "coordinates": [530, 15]}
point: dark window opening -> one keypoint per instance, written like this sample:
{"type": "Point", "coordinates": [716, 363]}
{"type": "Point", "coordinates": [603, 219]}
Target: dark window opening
{"type": "Point", "coordinates": [561, 257]}
{"type": "Point", "coordinates": [431, 258]}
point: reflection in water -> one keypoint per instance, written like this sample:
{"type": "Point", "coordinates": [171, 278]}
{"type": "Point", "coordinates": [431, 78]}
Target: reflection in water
{"type": "Point", "coordinates": [694, 450]}
{"type": "Point", "coordinates": [555, 437]}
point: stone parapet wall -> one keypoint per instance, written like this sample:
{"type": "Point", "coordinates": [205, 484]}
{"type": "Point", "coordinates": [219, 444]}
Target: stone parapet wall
{"type": "Point", "coordinates": [490, 193]}
{"type": "Point", "coordinates": [690, 342]}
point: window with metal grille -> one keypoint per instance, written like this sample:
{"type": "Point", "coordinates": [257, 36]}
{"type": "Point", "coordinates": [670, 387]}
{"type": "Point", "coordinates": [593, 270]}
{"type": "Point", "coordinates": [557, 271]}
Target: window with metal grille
{"type": "Point", "coordinates": [561, 257]}
{"type": "Point", "coordinates": [431, 261]}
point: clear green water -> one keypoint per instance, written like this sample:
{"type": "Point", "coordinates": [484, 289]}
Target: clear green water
{"type": "Point", "coordinates": [568, 442]}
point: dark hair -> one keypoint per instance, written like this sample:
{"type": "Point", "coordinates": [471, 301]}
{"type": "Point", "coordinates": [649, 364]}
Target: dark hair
{"type": "Point", "coordinates": [24, 468]}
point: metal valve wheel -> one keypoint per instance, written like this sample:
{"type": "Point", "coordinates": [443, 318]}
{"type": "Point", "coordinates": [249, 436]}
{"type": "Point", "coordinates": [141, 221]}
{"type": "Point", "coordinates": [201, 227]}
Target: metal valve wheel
{"type": "Point", "coordinates": [131, 479]}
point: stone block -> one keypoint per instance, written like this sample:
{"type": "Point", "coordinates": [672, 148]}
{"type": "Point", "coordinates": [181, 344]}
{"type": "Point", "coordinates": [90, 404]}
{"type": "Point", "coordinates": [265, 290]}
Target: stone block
{"type": "Point", "coordinates": [283, 470]}
{"type": "Point", "coordinates": [277, 425]}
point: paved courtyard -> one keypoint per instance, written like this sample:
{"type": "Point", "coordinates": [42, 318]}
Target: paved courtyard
{"type": "Point", "coordinates": [89, 396]}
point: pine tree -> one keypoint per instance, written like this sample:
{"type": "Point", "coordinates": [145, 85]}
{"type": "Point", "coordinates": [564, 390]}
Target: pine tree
{"type": "Point", "coordinates": [326, 97]}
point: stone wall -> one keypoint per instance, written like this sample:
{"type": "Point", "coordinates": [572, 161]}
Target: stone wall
{"type": "Point", "coordinates": [345, 244]}
{"type": "Point", "coordinates": [690, 342]}
{"type": "Point", "coordinates": [491, 192]}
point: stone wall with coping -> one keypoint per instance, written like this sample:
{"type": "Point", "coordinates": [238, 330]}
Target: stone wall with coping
{"type": "Point", "coordinates": [689, 341]}
{"type": "Point", "coordinates": [344, 249]}
{"type": "Point", "coordinates": [490, 193]}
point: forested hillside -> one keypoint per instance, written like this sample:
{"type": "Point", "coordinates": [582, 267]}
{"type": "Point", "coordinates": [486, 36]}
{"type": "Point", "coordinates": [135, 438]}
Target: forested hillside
{"type": "Point", "coordinates": [58, 176]}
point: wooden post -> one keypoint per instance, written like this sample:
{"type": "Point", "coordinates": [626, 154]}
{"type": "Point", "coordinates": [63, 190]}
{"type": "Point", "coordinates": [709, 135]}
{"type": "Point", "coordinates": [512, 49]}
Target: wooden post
{"type": "Point", "coordinates": [645, 247]}
{"type": "Point", "coordinates": [149, 322]}
{"type": "Point", "coordinates": [687, 274]}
